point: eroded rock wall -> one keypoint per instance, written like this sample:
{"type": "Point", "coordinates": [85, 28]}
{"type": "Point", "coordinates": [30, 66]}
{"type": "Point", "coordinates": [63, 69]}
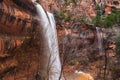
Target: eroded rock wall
{"type": "Point", "coordinates": [18, 46]}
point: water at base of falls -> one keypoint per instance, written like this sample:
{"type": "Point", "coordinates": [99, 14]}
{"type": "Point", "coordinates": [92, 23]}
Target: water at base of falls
{"type": "Point", "coordinates": [47, 23]}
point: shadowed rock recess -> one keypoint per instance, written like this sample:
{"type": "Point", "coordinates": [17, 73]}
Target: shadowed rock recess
{"type": "Point", "coordinates": [18, 42]}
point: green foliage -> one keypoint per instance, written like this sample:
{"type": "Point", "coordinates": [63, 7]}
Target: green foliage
{"type": "Point", "coordinates": [117, 13]}
{"type": "Point", "coordinates": [101, 19]}
{"type": "Point", "coordinates": [98, 10]}
{"type": "Point", "coordinates": [107, 20]}
{"type": "Point", "coordinates": [67, 2]}
{"type": "Point", "coordinates": [96, 20]}
{"type": "Point", "coordinates": [73, 1]}
{"type": "Point", "coordinates": [62, 15]}
{"type": "Point", "coordinates": [118, 45]}
{"type": "Point", "coordinates": [97, 7]}
{"type": "Point", "coordinates": [66, 15]}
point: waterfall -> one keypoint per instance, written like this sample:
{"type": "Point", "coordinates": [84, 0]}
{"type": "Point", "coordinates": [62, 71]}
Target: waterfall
{"type": "Point", "coordinates": [48, 29]}
{"type": "Point", "coordinates": [100, 40]}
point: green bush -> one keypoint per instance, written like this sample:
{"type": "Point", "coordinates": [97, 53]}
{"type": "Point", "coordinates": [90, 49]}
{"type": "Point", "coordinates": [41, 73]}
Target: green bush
{"type": "Point", "coordinates": [107, 20]}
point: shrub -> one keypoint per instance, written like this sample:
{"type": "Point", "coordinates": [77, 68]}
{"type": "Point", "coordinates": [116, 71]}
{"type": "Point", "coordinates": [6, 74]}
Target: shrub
{"type": "Point", "coordinates": [107, 20]}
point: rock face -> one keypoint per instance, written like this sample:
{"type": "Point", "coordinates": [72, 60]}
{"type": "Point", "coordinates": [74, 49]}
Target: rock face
{"type": "Point", "coordinates": [17, 30]}
{"type": "Point", "coordinates": [15, 19]}
{"type": "Point", "coordinates": [79, 50]}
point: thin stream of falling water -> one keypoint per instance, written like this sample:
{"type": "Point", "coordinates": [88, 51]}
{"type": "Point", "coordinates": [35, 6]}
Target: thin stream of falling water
{"type": "Point", "coordinates": [100, 40]}
{"type": "Point", "coordinates": [101, 50]}
{"type": "Point", "coordinates": [50, 35]}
